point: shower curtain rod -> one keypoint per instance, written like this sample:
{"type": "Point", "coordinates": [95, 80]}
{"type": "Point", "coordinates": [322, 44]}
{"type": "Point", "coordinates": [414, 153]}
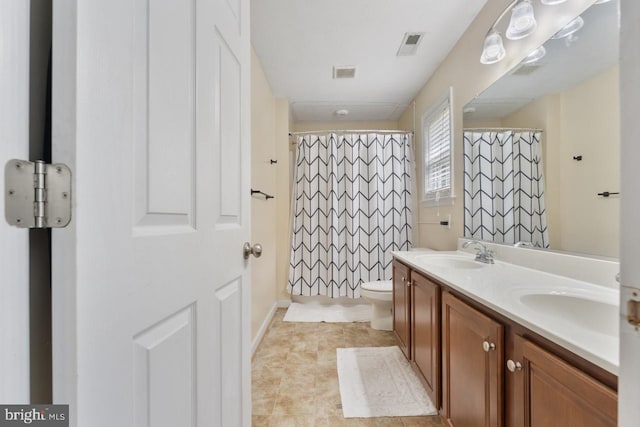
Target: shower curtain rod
{"type": "Point", "coordinates": [501, 129]}
{"type": "Point", "coordinates": [349, 131]}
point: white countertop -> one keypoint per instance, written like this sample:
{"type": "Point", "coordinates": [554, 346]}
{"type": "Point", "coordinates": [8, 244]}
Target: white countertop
{"type": "Point", "coordinates": [579, 316]}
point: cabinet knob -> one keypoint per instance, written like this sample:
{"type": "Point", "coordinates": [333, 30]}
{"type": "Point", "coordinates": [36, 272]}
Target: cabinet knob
{"type": "Point", "coordinates": [488, 346]}
{"type": "Point", "coordinates": [513, 366]}
{"type": "Point", "coordinates": [408, 283]}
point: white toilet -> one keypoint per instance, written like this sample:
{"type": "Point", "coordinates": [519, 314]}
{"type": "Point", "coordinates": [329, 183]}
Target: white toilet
{"type": "Point", "coordinates": [380, 295]}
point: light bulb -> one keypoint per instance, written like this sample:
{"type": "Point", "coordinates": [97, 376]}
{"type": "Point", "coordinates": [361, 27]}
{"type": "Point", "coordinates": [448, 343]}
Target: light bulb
{"type": "Point", "coordinates": [535, 56]}
{"type": "Point", "coordinates": [570, 28]}
{"type": "Point", "coordinates": [493, 50]}
{"type": "Point", "coordinates": [523, 22]}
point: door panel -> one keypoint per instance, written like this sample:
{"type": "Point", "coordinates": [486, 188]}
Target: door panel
{"type": "Point", "coordinates": [151, 302]}
{"type": "Point", "coordinates": [471, 377]}
{"type": "Point", "coordinates": [164, 372]}
{"type": "Point", "coordinates": [425, 333]}
{"type": "Point", "coordinates": [230, 132]}
{"type": "Point", "coordinates": [548, 392]}
{"type": "Point", "coordinates": [401, 315]}
{"type": "Point", "coordinates": [164, 112]}
{"type": "Point", "coordinates": [229, 304]}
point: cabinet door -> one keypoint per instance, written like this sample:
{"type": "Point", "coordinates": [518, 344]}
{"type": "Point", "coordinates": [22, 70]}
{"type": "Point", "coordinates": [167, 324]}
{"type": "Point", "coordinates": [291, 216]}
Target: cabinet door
{"type": "Point", "coordinates": [472, 366]}
{"type": "Point", "coordinates": [401, 295]}
{"type": "Point", "coordinates": [548, 392]}
{"type": "Point", "coordinates": [425, 333]}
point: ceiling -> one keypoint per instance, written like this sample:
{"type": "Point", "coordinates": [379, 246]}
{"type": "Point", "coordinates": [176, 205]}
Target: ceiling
{"type": "Point", "coordinates": [565, 65]}
{"type": "Point", "coordinates": [300, 41]}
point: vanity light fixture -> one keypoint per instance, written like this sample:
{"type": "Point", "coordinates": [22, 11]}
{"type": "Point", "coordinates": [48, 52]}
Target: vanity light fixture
{"type": "Point", "coordinates": [522, 24]}
{"type": "Point", "coordinates": [493, 48]}
{"type": "Point", "coordinates": [535, 56]}
{"type": "Point", "coordinates": [523, 21]}
{"type": "Point", "coordinates": [569, 29]}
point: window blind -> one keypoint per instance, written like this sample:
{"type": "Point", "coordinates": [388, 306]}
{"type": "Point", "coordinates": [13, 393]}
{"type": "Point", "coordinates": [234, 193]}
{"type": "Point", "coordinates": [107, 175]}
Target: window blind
{"type": "Point", "coordinates": [437, 138]}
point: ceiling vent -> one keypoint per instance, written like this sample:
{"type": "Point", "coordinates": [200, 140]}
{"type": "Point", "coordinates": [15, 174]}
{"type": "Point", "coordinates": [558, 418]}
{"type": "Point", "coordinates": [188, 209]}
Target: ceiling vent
{"type": "Point", "coordinates": [344, 72]}
{"type": "Point", "coordinates": [410, 43]}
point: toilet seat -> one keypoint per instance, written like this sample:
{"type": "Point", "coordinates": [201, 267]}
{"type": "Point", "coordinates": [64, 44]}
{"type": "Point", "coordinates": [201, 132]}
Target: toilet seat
{"type": "Point", "coordinates": [378, 286]}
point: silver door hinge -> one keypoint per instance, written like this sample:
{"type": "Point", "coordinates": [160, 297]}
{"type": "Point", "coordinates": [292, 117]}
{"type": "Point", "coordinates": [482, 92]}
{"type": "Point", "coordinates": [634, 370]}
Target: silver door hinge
{"type": "Point", "coordinates": [37, 195]}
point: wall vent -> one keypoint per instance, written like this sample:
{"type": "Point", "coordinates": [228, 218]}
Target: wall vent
{"type": "Point", "coordinates": [344, 72]}
{"type": "Point", "coordinates": [410, 43]}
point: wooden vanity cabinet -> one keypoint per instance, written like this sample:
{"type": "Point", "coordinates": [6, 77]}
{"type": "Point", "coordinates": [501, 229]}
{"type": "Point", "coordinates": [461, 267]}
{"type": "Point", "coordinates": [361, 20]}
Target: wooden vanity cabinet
{"type": "Point", "coordinates": [548, 392]}
{"type": "Point", "coordinates": [479, 370]}
{"type": "Point", "coordinates": [472, 366]}
{"type": "Point", "coordinates": [425, 333]}
{"type": "Point", "coordinates": [401, 301]}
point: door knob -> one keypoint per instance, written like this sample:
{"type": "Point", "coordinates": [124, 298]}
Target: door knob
{"type": "Point", "coordinates": [255, 250]}
{"type": "Point", "coordinates": [488, 346]}
{"type": "Point", "coordinates": [513, 366]}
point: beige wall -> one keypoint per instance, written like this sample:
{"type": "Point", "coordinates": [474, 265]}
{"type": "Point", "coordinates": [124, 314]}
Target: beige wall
{"type": "Point", "coordinates": [263, 212]}
{"type": "Point", "coordinates": [544, 113]}
{"type": "Point", "coordinates": [591, 127]}
{"type": "Point", "coordinates": [463, 71]}
{"type": "Point", "coordinates": [582, 120]}
{"type": "Point", "coordinates": [344, 125]}
{"type": "Point", "coordinates": [269, 218]}
{"type": "Point", "coordinates": [283, 192]}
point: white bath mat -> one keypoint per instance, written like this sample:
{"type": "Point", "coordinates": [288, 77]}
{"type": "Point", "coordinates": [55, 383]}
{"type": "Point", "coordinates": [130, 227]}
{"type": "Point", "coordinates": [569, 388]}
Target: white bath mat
{"type": "Point", "coordinates": [334, 313]}
{"type": "Point", "coordinates": [378, 382]}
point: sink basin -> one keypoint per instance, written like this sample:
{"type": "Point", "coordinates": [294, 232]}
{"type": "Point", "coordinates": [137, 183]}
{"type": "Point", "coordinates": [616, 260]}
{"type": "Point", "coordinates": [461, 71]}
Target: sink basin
{"type": "Point", "coordinates": [449, 261]}
{"type": "Point", "coordinates": [597, 316]}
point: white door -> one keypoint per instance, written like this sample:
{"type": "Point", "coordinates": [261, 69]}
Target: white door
{"type": "Point", "coordinates": [629, 375]}
{"type": "Point", "coordinates": [14, 242]}
{"type": "Point", "coordinates": [150, 288]}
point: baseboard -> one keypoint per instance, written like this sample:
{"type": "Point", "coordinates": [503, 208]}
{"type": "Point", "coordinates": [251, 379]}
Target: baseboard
{"type": "Point", "coordinates": [265, 324]}
{"type": "Point", "coordinates": [263, 329]}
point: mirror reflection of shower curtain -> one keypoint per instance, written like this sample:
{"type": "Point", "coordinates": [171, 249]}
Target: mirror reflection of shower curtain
{"type": "Point", "coordinates": [504, 187]}
{"type": "Point", "coordinates": [351, 208]}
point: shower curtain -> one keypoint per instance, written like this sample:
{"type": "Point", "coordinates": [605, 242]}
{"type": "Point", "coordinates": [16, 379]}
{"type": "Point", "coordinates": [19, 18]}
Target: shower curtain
{"type": "Point", "coordinates": [351, 208]}
{"type": "Point", "coordinates": [504, 187]}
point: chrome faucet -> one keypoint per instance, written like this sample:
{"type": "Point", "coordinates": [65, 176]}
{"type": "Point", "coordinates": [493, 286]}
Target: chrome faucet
{"type": "Point", "coordinates": [522, 244]}
{"type": "Point", "coordinates": [483, 254]}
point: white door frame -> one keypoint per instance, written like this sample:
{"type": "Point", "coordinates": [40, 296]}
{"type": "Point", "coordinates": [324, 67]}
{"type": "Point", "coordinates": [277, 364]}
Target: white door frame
{"type": "Point", "coordinates": [629, 373]}
{"type": "Point", "coordinates": [14, 242]}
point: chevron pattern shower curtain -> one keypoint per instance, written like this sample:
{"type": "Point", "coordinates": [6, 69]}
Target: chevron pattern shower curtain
{"type": "Point", "coordinates": [351, 208]}
{"type": "Point", "coordinates": [504, 187]}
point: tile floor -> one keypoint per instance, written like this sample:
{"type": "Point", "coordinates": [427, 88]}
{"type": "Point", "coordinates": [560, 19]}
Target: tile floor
{"type": "Point", "coordinates": [295, 382]}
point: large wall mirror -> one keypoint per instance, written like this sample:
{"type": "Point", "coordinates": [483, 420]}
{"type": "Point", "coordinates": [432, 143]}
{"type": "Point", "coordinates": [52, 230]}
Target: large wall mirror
{"type": "Point", "coordinates": [541, 145]}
